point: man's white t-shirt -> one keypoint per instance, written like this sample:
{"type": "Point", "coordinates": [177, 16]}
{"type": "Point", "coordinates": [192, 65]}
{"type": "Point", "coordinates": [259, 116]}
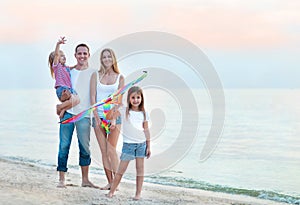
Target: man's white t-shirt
{"type": "Point", "coordinates": [81, 84]}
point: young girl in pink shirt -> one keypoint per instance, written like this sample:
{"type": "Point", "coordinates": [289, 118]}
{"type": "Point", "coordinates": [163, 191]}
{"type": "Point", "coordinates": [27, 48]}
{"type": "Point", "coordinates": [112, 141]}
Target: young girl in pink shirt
{"type": "Point", "coordinates": [64, 91]}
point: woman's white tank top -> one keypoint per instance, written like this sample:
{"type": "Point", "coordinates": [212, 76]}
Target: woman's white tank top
{"type": "Point", "coordinates": [103, 91]}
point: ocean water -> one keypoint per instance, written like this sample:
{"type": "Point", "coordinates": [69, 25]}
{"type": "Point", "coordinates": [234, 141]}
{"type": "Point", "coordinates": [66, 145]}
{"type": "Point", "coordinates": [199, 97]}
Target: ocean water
{"type": "Point", "coordinates": [258, 153]}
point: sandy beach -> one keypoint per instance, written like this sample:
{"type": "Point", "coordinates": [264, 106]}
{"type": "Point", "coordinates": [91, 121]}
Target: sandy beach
{"type": "Point", "coordinates": [22, 183]}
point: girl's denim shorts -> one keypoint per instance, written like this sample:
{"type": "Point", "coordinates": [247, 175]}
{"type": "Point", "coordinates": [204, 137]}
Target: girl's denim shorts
{"type": "Point", "coordinates": [130, 151]}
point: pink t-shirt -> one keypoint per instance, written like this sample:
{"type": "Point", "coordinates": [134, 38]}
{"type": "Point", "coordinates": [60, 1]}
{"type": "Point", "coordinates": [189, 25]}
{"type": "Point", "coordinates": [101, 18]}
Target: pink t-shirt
{"type": "Point", "coordinates": [62, 75]}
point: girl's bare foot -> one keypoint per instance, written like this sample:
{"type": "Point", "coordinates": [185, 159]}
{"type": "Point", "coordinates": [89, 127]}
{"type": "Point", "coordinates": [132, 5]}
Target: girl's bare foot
{"type": "Point", "coordinates": [61, 184]}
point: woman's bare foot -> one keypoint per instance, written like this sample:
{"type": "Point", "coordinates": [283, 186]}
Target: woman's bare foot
{"type": "Point", "coordinates": [61, 184]}
{"type": "Point", "coordinates": [137, 197]}
{"type": "Point", "coordinates": [109, 195]}
{"type": "Point", "coordinates": [107, 187]}
{"type": "Point", "coordinates": [89, 184]}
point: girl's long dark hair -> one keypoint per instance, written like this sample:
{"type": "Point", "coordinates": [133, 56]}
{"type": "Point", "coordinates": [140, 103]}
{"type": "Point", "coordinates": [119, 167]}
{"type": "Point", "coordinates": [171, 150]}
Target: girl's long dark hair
{"type": "Point", "coordinates": [139, 91]}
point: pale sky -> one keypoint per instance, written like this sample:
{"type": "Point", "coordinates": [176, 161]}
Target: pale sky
{"type": "Point", "coordinates": [252, 44]}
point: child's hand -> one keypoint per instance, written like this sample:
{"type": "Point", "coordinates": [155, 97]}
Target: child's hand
{"type": "Point", "coordinates": [112, 124]}
{"type": "Point", "coordinates": [148, 153]}
{"type": "Point", "coordinates": [62, 40]}
{"type": "Point", "coordinates": [112, 127]}
{"type": "Point", "coordinates": [116, 100]}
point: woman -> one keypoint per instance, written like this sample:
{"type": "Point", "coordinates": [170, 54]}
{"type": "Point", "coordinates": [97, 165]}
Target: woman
{"type": "Point", "coordinates": [103, 83]}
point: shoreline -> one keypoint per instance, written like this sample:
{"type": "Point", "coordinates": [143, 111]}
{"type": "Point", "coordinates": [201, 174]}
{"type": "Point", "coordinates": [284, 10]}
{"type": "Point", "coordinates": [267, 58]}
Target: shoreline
{"type": "Point", "coordinates": [22, 183]}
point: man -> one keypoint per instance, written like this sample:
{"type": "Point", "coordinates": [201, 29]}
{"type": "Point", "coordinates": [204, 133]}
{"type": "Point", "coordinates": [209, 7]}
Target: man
{"type": "Point", "coordinates": [80, 77]}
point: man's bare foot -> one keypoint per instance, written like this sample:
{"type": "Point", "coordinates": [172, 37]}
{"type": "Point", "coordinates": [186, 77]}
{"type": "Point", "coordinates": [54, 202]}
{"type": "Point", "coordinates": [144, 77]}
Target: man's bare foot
{"type": "Point", "coordinates": [107, 187]}
{"type": "Point", "coordinates": [61, 184]}
{"type": "Point", "coordinates": [89, 184]}
{"type": "Point", "coordinates": [137, 197]}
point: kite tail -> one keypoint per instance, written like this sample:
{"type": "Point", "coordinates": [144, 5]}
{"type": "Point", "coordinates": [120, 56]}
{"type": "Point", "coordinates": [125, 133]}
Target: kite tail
{"type": "Point", "coordinates": [105, 123]}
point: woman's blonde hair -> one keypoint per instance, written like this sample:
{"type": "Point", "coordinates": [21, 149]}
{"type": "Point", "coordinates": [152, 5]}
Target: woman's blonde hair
{"type": "Point", "coordinates": [114, 63]}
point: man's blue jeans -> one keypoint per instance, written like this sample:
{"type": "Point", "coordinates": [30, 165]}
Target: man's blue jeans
{"type": "Point", "coordinates": [83, 128]}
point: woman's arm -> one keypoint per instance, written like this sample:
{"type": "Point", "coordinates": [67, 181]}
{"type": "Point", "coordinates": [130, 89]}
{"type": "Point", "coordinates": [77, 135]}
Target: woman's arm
{"type": "Point", "coordinates": [93, 95]}
{"type": "Point", "coordinates": [121, 84]}
{"type": "Point", "coordinates": [93, 87]}
{"type": "Point", "coordinates": [121, 81]}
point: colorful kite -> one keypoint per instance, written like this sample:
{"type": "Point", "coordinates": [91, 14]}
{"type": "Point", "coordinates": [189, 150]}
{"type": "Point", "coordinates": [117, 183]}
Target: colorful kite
{"type": "Point", "coordinates": [112, 99]}
{"type": "Point", "coordinates": [105, 123]}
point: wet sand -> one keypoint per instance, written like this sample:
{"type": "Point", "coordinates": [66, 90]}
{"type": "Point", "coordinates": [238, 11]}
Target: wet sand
{"type": "Point", "coordinates": [22, 183]}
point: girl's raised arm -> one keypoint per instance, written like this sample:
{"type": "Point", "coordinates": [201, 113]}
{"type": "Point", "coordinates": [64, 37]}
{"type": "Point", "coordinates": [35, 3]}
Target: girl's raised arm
{"type": "Point", "coordinates": [62, 40]}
